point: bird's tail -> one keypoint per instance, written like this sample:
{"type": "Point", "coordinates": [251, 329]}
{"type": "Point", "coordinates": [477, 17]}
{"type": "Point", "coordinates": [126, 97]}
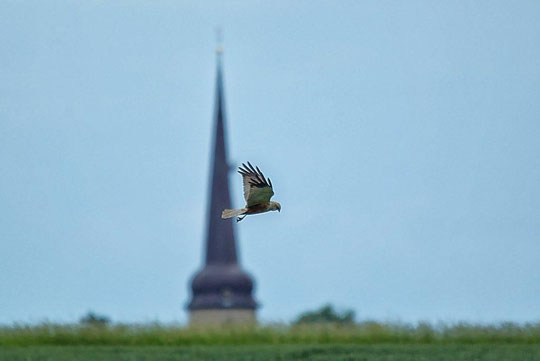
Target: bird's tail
{"type": "Point", "coordinates": [229, 213]}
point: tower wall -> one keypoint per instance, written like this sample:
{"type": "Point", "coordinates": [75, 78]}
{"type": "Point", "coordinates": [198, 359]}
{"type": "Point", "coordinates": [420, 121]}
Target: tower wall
{"type": "Point", "coordinates": [219, 318]}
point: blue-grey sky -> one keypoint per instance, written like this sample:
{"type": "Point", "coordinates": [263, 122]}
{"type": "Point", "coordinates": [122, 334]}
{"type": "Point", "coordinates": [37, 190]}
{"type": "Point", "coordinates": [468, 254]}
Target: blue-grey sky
{"type": "Point", "coordinates": [402, 138]}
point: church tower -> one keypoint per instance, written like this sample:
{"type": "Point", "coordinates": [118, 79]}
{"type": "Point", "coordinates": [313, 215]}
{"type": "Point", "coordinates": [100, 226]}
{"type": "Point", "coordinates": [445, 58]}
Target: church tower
{"type": "Point", "coordinates": [221, 291]}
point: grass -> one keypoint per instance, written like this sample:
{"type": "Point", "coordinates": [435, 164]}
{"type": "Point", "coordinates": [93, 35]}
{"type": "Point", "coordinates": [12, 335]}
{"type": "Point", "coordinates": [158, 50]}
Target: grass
{"type": "Point", "coordinates": [362, 333]}
{"type": "Point", "coordinates": [334, 352]}
{"type": "Point", "coordinates": [364, 341]}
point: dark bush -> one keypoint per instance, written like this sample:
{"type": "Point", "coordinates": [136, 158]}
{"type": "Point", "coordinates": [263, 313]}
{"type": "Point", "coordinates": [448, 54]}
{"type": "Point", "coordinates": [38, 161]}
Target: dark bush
{"type": "Point", "coordinates": [93, 319]}
{"type": "Point", "coordinates": [326, 314]}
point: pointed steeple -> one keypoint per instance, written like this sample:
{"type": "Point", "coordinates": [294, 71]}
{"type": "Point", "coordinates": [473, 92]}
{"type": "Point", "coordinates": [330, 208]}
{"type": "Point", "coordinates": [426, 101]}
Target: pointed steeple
{"type": "Point", "coordinates": [221, 285]}
{"type": "Point", "coordinates": [220, 241]}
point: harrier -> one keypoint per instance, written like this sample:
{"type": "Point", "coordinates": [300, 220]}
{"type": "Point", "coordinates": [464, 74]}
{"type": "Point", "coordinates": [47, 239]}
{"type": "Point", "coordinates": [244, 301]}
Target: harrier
{"type": "Point", "coordinates": [257, 192]}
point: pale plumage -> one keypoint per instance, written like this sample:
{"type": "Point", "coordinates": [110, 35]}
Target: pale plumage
{"type": "Point", "coordinates": [257, 192]}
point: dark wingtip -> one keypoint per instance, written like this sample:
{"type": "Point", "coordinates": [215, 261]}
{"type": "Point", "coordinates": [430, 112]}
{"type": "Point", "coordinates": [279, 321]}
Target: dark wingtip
{"type": "Point", "coordinates": [255, 174]}
{"type": "Point", "coordinates": [251, 167]}
{"type": "Point", "coordinates": [262, 176]}
{"type": "Point", "coordinates": [244, 170]}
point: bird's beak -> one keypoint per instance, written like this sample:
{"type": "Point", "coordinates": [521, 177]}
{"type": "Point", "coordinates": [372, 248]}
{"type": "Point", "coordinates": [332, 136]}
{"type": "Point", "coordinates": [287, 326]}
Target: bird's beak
{"type": "Point", "coordinates": [279, 209]}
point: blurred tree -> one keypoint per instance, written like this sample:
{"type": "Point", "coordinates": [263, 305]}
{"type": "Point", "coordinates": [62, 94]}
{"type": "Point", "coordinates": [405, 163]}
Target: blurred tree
{"type": "Point", "coordinates": [93, 319]}
{"type": "Point", "coordinates": [326, 314]}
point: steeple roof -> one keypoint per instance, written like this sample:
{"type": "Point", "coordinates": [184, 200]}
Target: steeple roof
{"type": "Point", "coordinates": [220, 240]}
{"type": "Point", "coordinates": [221, 284]}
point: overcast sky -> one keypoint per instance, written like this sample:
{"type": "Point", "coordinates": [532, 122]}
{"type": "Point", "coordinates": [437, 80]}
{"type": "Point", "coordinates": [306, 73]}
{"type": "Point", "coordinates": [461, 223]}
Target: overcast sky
{"type": "Point", "coordinates": [402, 138]}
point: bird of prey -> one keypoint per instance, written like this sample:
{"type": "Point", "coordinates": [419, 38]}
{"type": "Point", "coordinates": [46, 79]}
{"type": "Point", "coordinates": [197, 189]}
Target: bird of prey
{"type": "Point", "coordinates": [257, 192]}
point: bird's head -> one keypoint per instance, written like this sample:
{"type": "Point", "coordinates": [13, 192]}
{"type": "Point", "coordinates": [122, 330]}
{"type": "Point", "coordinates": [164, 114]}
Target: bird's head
{"type": "Point", "coordinates": [275, 206]}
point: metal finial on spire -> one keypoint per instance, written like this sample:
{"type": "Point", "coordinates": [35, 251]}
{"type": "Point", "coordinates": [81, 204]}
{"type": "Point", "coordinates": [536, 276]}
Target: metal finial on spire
{"type": "Point", "coordinates": [219, 40]}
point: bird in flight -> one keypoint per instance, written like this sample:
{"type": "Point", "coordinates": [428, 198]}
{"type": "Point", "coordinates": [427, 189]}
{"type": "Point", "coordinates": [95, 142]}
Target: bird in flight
{"type": "Point", "coordinates": [257, 192]}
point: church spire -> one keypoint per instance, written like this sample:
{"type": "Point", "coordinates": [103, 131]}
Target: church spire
{"type": "Point", "coordinates": [222, 291]}
{"type": "Point", "coordinates": [220, 241]}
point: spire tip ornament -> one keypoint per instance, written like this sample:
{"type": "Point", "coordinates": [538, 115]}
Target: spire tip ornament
{"type": "Point", "coordinates": [219, 40]}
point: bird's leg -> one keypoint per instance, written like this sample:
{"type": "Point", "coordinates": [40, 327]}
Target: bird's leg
{"type": "Point", "coordinates": [238, 219]}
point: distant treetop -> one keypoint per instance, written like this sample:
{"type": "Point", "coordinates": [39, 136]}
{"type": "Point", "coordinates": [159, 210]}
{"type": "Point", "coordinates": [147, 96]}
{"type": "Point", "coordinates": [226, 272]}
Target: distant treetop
{"type": "Point", "coordinates": [93, 319]}
{"type": "Point", "coordinates": [326, 314]}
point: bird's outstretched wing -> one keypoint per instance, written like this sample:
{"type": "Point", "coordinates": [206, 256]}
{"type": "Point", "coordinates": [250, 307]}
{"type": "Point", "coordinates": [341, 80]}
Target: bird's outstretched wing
{"type": "Point", "coordinates": [257, 189]}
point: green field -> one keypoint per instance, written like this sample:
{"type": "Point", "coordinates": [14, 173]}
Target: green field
{"type": "Point", "coordinates": [360, 333]}
{"type": "Point", "coordinates": [360, 341]}
{"type": "Point", "coordinates": [381, 352]}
